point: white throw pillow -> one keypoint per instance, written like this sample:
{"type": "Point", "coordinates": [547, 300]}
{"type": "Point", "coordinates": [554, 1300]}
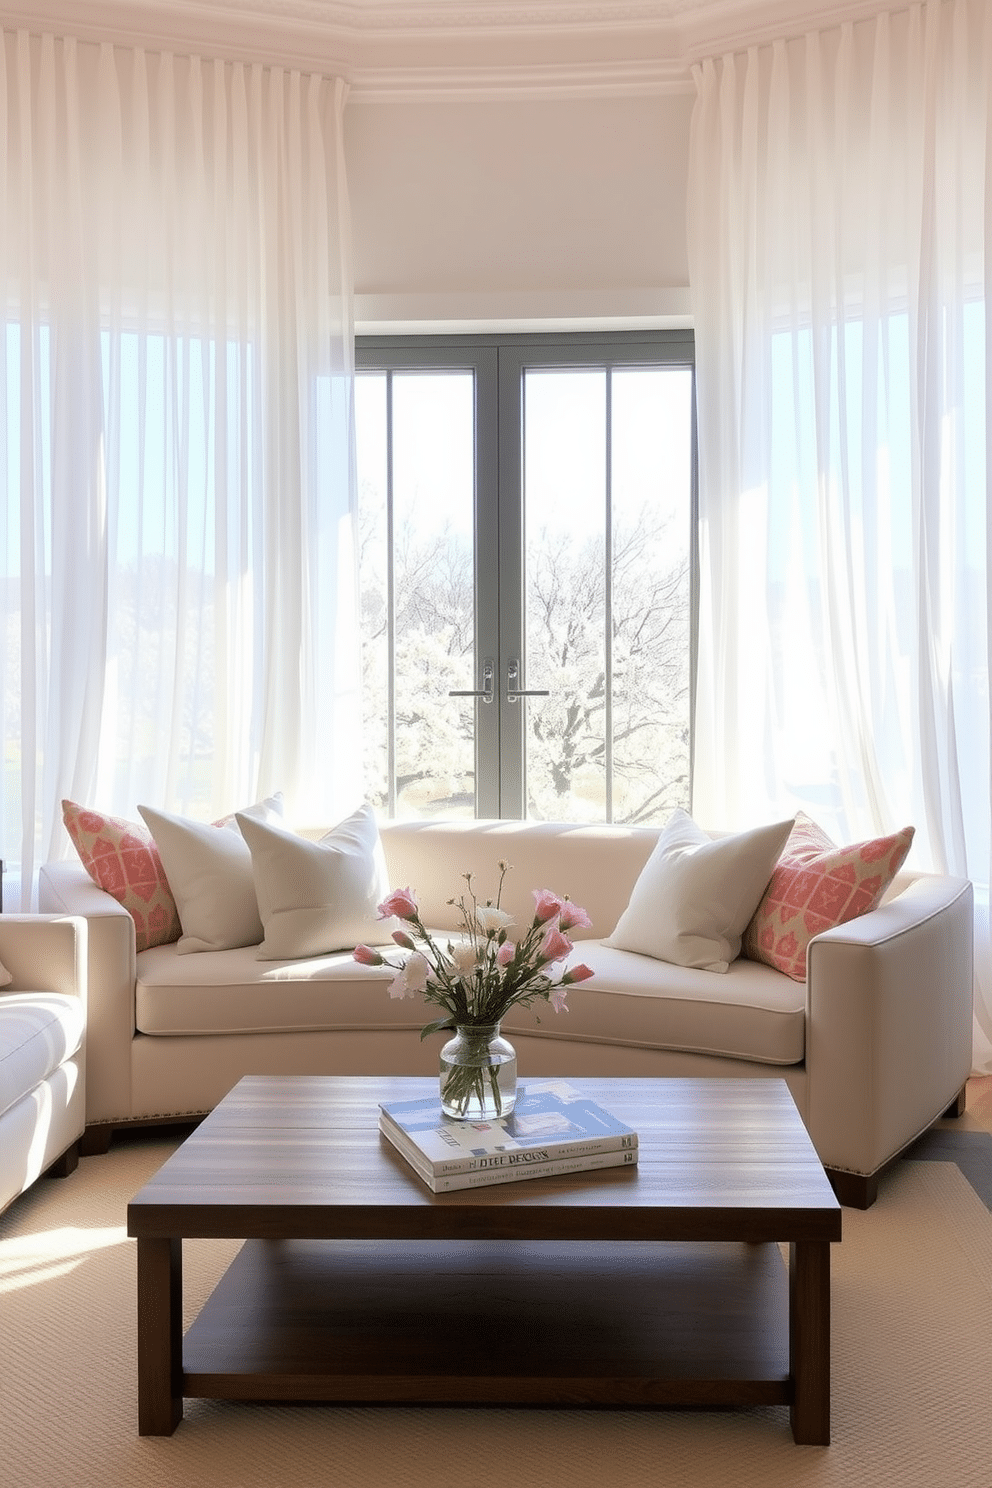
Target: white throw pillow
{"type": "Point", "coordinates": [695, 894]}
{"type": "Point", "coordinates": [208, 866]}
{"type": "Point", "coordinates": [318, 897]}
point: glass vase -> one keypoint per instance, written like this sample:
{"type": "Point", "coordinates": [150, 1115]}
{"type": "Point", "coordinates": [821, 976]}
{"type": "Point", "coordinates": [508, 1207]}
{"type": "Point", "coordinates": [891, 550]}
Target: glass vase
{"type": "Point", "coordinates": [478, 1074]}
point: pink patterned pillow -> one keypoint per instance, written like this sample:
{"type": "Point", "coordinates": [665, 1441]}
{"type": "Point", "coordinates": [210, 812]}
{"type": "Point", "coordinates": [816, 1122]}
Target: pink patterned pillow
{"type": "Point", "coordinates": [815, 886]}
{"type": "Point", "coordinates": [121, 857]}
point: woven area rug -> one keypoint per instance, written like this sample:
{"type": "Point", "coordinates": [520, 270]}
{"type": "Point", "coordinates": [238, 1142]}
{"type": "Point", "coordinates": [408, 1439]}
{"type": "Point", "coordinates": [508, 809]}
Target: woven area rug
{"type": "Point", "coordinates": [912, 1364]}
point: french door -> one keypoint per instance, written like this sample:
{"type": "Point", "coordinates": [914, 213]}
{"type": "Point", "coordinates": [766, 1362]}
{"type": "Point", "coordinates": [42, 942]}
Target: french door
{"type": "Point", "coordinates": [526, 521]}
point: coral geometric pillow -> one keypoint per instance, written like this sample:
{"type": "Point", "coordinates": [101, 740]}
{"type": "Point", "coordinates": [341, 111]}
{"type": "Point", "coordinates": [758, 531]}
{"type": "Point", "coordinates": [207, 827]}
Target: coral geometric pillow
{"type": "Point", "coordinates": [815, 886]}
{"type": "Point", "coordinates": [122, 859]}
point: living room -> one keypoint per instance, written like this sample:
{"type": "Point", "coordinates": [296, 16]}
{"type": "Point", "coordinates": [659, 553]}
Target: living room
{"type": "Point", "coordinates": [477, 174]}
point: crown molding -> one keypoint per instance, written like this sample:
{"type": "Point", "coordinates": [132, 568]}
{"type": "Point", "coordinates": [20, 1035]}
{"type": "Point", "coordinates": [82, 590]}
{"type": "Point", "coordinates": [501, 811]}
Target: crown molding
{"type": "Point", "coordinates": [411, 17]}
{"type": "Point", "coordinates": [478, 84]}
{"type": "Point", "coordinates": [365, 17]}
{"type": "Point", "coordinates": [716, 27]}
{"type": "Point", "coordinates": [452, 49]}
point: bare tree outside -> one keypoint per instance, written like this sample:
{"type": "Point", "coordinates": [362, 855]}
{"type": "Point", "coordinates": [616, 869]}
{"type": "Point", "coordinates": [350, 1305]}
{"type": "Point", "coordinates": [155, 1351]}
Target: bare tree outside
{"type": "Point", "coordinates": [434, 735]}
{"type": "Point", "coordinates": [608, 506]}
{"type": "Point", "coordinates": [612, 739]}
{"type": "Point", "coordinates": [642, 738]}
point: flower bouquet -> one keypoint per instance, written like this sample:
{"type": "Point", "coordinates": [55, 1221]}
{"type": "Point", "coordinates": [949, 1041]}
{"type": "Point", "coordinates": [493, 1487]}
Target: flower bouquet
{"type": "Point", "coordinates": [477, 978]}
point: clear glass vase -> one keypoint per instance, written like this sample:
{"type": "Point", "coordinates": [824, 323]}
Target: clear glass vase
{"type": "Point", "coordinates": [478, 1074]}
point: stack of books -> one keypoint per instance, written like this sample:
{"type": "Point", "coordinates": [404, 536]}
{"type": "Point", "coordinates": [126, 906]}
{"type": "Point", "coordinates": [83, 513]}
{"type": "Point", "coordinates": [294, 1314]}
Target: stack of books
{"type": "Point", "coordinates": [553, 1128]}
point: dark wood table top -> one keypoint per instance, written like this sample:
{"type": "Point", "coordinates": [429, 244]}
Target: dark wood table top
{"type": "Point", "coordinates": [301, 1157]}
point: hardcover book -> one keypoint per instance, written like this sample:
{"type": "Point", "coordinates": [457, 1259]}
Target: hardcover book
{"type": "Point", "coordinates": [552, 1123]}
{"type": "Point", "coordinates": [446, 1182]}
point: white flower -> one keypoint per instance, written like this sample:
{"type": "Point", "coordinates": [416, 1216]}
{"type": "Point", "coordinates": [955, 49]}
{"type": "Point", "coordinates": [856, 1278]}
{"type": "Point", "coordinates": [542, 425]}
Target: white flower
{"type": "Point", "coordinates": [413, 977]}
{"type": "Point", "coordinates": [489, 918]}
{"type": "Point", "coordinates": [465, 958]}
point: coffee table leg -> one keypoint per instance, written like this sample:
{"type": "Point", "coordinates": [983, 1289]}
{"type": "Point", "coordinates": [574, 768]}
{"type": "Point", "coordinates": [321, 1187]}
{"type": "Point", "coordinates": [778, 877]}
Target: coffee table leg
{"type": "Point", "coordinates": [160, 1336]}
{"type": "Point", "coordinates": [809, 1340]}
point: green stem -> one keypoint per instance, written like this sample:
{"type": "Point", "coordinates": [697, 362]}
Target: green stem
{"type": "Point", "coordinates": [477, 1078]}
{"type": "Point", "coordinates": [462, 1082]}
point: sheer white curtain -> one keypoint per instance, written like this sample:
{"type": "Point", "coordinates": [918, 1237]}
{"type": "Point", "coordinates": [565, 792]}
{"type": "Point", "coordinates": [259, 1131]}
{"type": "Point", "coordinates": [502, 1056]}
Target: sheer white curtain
{"type": "Point", "coordinates": [840, 255]}
{"type": "Point", "coordinates": [176, 547]}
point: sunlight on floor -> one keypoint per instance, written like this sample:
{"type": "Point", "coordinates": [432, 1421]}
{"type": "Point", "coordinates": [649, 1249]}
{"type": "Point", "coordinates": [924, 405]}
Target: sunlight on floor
{"type": "Point", "coordinates": [26, 1260]}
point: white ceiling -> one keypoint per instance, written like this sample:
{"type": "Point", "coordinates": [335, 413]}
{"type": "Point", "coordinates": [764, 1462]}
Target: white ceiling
{"type": "Point", "coordinates": [397, 47]}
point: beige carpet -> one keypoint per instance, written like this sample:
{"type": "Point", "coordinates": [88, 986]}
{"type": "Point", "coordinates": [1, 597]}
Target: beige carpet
{"type": "Point", "coordinates": [912, 1366]}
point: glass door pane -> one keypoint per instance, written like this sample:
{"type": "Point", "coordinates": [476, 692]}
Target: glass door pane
{"type": "Point", "coordinates": [607, 498]}
{"type": "Point", "coordinates": [651, 514]}
{"type": "Point", "coordinates": [565, 593]}
{"type": "Point", "coordinates": [416, 458]}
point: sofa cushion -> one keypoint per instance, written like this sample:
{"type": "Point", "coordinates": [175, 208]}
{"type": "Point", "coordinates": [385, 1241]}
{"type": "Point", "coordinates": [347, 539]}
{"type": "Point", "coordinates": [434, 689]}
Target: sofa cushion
{"type": "Point", "coordinates": [817, 885]}
{"type": "Point", "coordinates": [121, 858]}
{"type": "Point", "coordinates": [695, 895]}
{"type": "Point", "coordinates": [38, 1032]}
{"type": "Point", "coordinates": [317, 897]}
{"type": "Point", "coordinates": [750, 1013]}
{"type": "Point", "coordinates": [595, 864]}
{"type": "Point", "coordinates": [208, 866]}
{"type": "Point", "coordinates": [233, 991]}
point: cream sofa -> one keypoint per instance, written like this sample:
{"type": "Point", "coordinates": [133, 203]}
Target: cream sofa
{"type": "Point", "coordinates": [875, 1045]}
{"type": "Point", "coordinates": [42, 1048]}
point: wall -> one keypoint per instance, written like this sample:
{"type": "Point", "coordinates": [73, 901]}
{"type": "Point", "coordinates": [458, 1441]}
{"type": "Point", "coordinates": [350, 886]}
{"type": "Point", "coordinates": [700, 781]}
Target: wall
{"type": "Point", "coordinates": [518, 210]}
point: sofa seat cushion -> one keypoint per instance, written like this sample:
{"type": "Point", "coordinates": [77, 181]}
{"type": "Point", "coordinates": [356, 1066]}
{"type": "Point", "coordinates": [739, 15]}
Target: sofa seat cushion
{"type": "Point", "coordinates": [749, 1012]}
{"type": "Point", "coordinates": [233, 991]}
{"type": "Point", "coordinates": [39, 1031]}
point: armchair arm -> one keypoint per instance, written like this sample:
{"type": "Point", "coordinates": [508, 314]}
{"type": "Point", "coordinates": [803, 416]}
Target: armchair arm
{"type": "Point", "coordinates": [44, 953]}
{"type": "Point", "coordinates": [890, 1006]}
{"type": "Point", "coordinates": [44, 1034]}
{"type": "Point", "coordinates": [66, 888]}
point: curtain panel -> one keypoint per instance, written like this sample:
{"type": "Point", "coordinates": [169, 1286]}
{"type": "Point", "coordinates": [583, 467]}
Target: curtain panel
{"type": "Point", "coordinates": [176, 406]}
{"type": "Point", "coordinates": [840, 215]}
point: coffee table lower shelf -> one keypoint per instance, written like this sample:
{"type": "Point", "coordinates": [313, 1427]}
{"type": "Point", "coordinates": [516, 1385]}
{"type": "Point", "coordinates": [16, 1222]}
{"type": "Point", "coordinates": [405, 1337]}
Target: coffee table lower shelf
{"type": "Point", "coordinates": [481, 1323]}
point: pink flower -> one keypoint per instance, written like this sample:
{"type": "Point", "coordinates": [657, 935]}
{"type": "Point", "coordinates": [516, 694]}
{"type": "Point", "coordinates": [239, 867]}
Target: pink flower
{"type": "Point", "coordinates": [573, 918]}
{"type": "Point", "coordinates": [400, 903]}
{"type": "Point", "coordinates": [506, 953]}
{"type": "Point", "coordinates": [554, 946]}
{"type": "Point", "coordinates": [402, 939]}
{"type": "Point", "coordinates": [580, 973]}
{"type": "Point", "coordinates": [412, 979]}
{"type": "Point", "coordinates": [556, 997]}
{"type": "Point", "coordinates": [547, 905]}
{"type": "Point", "coordinates": [366, 956]}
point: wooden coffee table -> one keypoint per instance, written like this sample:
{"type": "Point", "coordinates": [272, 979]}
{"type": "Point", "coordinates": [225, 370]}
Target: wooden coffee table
{"type": "Point", "coordinates": [655, 1285]}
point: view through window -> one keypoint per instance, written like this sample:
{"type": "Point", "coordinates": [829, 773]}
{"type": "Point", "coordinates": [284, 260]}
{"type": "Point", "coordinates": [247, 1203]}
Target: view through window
{"type": "Point", "coordinates": [526, 562]}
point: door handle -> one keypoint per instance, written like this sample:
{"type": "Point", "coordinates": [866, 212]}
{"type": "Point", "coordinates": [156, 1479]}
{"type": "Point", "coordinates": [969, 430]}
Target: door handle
{"type": "Point", "coordinates": [487, 691]}
{"type": "Point", "coordinates": [512, 678]}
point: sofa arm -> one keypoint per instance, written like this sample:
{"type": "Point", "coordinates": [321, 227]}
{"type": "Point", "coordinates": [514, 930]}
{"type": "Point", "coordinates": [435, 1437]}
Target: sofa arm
{"type": "Point", "coordinates": [890, 1006]}
{"type": "Point", "coordinates": [66, 888]}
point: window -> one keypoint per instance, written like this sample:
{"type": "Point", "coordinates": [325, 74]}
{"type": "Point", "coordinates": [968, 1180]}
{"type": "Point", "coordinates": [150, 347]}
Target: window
{"type": "Point", "coordinates": [527, 554]}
